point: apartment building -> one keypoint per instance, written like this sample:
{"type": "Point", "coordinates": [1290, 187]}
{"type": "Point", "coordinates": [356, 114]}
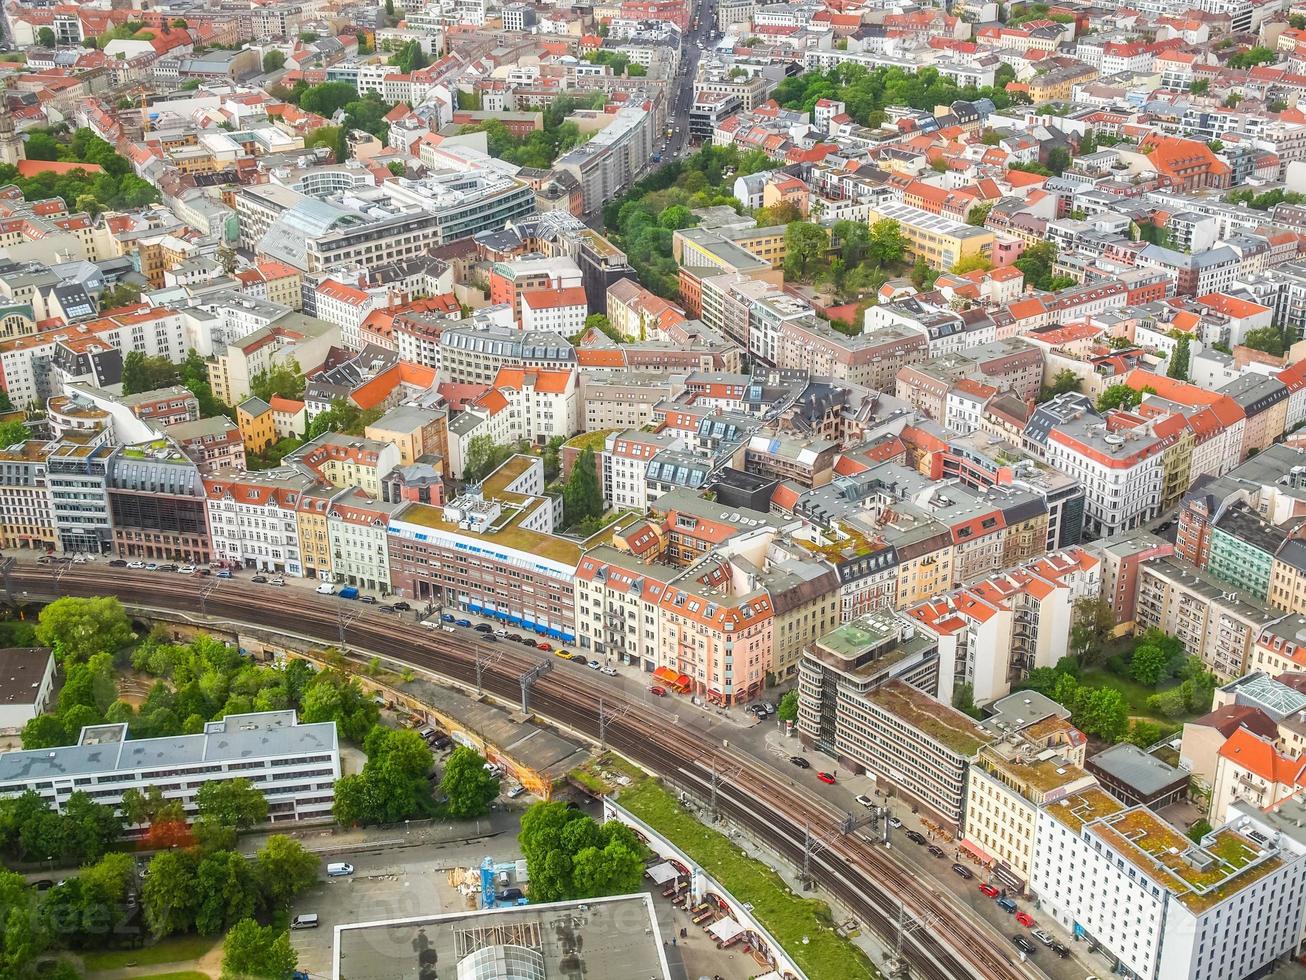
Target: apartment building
{"type": "Point", "coordinates": [1038, 757]}
{"type": "Point", "coordinates": [252, 519]}
{"type": "Point", "coordinates": [626, 459]}
{"type": "Point", "coordinates": [560, 311]}
{"type": "Point", "coordinates": [480, 551]}
{"type": "Point", "coordinates": [941, 241]}
{"type": "Point", "coordinates": [295, 766]}
{"type": "Point", "coordinates": [157, 504]}
{"type": "Point", "coordinates": [358, 535]}
{"type": "Point", "coordinates": [1224, 908]}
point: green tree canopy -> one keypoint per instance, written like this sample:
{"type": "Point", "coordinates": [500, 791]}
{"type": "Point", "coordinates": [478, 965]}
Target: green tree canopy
{"type": "Point", "coordinates": [581, 496]}
{"type": "Point", "coordinates": [254, 951]}
{"type": "Point", "coordinates": [147, 372]}
{"type": "Point", "coordinates": [484, 456]}
{"type": "Point", "coordinates": [234, 803]}
{"type": "Point", "coordinates": [284, 869]}
{"type": "Point", "coordinates": [570, 856]}
{"type": "Point", "coordinates": [273, 61]}
{"type": "Point", "coordinates": [467, 783]}
{"type": "Point", "coordinates": [284, 380]}
{"type": "Point", "coordinates": [1118, 396]}
{"type": "Point", "coordinates": [787, 709]}
{"type": "Point", "coordinates": [77, 629]}
{"type": "Point", "coordinates": [169, 895]}
{"type": "Point", "coordinates": [805, 247]}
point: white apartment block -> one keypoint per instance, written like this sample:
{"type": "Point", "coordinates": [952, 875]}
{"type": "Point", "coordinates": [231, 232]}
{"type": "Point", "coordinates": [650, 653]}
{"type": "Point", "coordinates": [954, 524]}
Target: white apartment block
{"type": "Point", "coordinates": [357, 531]}
{"type": "Point", "coordinates": [1162, 905]}
{"type": "Point", "coordinates": [252, 519]}
{"type": "Point", "coordinates": [295, 766]}
{"type": "Point", "coordinates": [347, 307]}
{"type": "Point", "coordinates": [560, 311]}
{"type": "Point", "coordinates": [625, 464]}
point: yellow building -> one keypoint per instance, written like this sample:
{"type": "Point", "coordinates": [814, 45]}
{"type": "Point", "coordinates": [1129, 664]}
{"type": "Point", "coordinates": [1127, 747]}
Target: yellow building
{"type": "Point", "coordinates": [940, 241]}
{"type": "Point", "coordinates": [257, 428]}
{"type": "Point", "coordinates": [1058, 85]}
{"type": "Point", "coordinates": [415, 431]}
{"type": "Point", "coordinates": [314, 536]}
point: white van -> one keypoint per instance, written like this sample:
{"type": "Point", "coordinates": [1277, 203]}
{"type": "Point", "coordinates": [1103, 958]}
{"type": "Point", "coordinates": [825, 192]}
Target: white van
{"type": "Point", "coordinates": [306, 921]}
{"type": "Point", "coordinates": [339, 869]}
{"type": "Point", "coordinates": [326, 588]}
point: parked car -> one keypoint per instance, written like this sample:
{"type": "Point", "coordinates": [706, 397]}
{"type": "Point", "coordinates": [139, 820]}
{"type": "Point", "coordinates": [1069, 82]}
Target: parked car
{"type": "Point", "coordinates": [259, 580]}
{"type": "Point", "coordinates": [118, 563]}
{"type": "Point", "coordinates": [151, 567]}
{"type": "Point", "coordinates": [501, 632]}
{"type": "Point", "coordinates": [386, 609]}
{"type": "Point", "coordinates": [483, 628]}
{"type": "Point", "coordinates": [1043, 937]}
{"type": "Point", "coordinates": [1026, 920]}
{"type": "Point", "coordinates": [915, 836]}
{"type": "Point", "coordinates": [226, 573]}
{"type": "Point", "coordinates": [326, 588]}
{"type": "Point", "coordinates": [1022, 944]}
{"type": "Point", "coordinates": [593, 665]}
{"type": "Point", "coordinates": [935, 850]}
{"type": "Point", "coordinates": [1007, 905]}
{"type": "Point", "coordinates": [369, 600]}
{"type": "Point", "coordinates": [541, 645]}
{"type": "Point", "coordinates": [989, 890]}
{"type": "Point", "coordinates": [579, 658]}
{"type": "Point", "coordinates": [658, 692]}
{"type": "Point", "coordinates": [403, 606]}
{"type": "Point", "coordinates": [349, 592]}
{"type": "Point", "coordinates": [276, 580]}
{"type": "Point", "coordinates": [444, 627]}
{"type": "Point", "coordinates": [306, 920]}
{"type": "Point", "coordinates": [800, 762]}
{"type": "Point", "coordinates": [446, 618]}
{"type": "Point", "coordinates": [609, 670]}
{"type": "Point", "coordinates": [43, 884]}
{"type": "Point", "coordinates": [826, 777]}
{"type": "Point", "coordinates": [338, 869]}
{"type": "Point", "coordinates": [964, 871]}
{"type": "Point", "coordinates": [1060, 950]}
{"type": "Point", "coordinates": [464, 623]}
{"type": "Point", "coordinates": [895, 823]}
{"type": "Point", "coordinates": [136, 564]}
{"type": "Point", "coordinates": [864, 800]}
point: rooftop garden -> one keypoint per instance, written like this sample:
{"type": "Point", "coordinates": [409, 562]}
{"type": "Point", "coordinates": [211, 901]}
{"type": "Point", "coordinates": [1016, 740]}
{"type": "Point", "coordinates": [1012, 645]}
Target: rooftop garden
{"type": "Point", "coordinates": [940, 722]}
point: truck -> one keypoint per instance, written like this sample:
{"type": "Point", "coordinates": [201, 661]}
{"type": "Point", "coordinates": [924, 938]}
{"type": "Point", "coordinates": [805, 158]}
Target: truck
{"type": "Point", "coordinates": [348, 592]}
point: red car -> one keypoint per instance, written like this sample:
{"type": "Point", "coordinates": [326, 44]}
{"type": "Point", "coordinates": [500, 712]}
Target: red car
{"type": "Point", "coordinates": [989, 890]}
{"type": "Point", "coordinates": [1025, 919]}
{"type": "Point", "coordinates": [825, 777]}
{"type": "Point", "coordinates": [544, 646]}
{"type": "Point", "coordinates": [658, 691]}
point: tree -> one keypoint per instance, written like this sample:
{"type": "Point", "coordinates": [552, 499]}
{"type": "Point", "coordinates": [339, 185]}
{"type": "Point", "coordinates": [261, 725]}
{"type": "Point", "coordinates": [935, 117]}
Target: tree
{"type": "Point", "coordinates": [331, 137]}
{"type": "Point", "coordinates": [922, 276]}
{"type": "Point", "coordinates": [283, 869]}
{"type": "Point", "coordinates": [1094, 621]}
{"type": "Point", "coordinates": [484, 456]}
{"type": "Point", "coordinates": [396, 168]}
{"type": "Point", "coordinates": [332, 696]}
{"type": "Point", "coordinates": [1253, 57]}
{"type": "Point", "coordinates": [468, 784]}
{"type": "Point", "coordinates": [234, 803]}
{"type": "Point", "coordinates": [1178, 367]}
{"type": "Point", "coordinates": [805, 246]}
{"type": "Point", "coordinates": [120, 294]}
{"type": "Point", "coordinates": [616, 869]}
{"type": "Point", "coordinates": [13, 432]}
{"type": "Point", "coordinates": [780, 213]}
{"type": "Point", "coordinates": [328, 98]}
{"type": "Point", "coordinates": [1058, 159]}
{"type": "Point", "coordinates": [46, 38]}
{"type": "Point", "coordinates": [76, 629]}
{"type": "Point", "coordinates": [142, 372]}
{"type": "Point", "coordinates": [854, 239]}
{"type": "Point", "coordinates": [273, 61]}
{"type": "Point", "coordinates": [887, 242]}
{"type": "Point", "coordinates": [1101, 712]}
{"type": "Point", "coordinates": [90, 828]}
{"type": "Point", "coordinates": [787, 709]}
{"type": "Point", "coordinates": [1118, 396]}
{"type": "Point", "coordinates": [410, 58]}
{"type": "Point", "coordinates": [169, 894]}
{"type": "Point", "coordinates": [972, 263]}
{"type": "Point", "coordinates": [284, 380]}
{"type": "Point", "coordinates": [1066, 380]}
{"type": "Point", "coordinates": [225, 882]}
{"type": "Point", "coordinates": [569, 856]}
{"type": "Point", "coordinates": [1267, 339]}
{"type": "Point", "coordinates": [979, 214]}
{"type": "Point", "coordinates": [44, 732]}
{"type": "Point", "coordinates": [1088, 143]}
{"type": "Point", "coordinates": [1148, 664]}
{"type": "Point", "coordinates": [581, 496]}
{"type": "Point", "coordinates": [393, 785]}
{"type": "Point", "coordinates": [251, 950]}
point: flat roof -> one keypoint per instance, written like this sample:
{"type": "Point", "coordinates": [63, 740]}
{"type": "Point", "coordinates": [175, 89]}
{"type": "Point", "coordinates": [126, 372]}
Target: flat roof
{"type": "Point", "coordinates": [21, 671]}
{"type": "Point", "coordinates": [1143, 773]}
{"type": "Point", "coordinates": [614, 938]}
{"type": "Point", "coordinates": [943, 723]}
{"type": "Point", "coordinates": [103, 749]}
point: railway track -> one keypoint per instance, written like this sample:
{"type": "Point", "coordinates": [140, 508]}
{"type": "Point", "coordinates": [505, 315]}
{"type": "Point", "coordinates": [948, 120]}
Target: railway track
{"type": "Point", "coordinates": [944, 944]}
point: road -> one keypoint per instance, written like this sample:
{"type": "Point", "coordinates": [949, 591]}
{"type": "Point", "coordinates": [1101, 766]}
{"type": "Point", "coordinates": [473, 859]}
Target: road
{"type": "Point", "coordinates": [683, 93]}
{"type": "Point", "coordinates": [869, 880]}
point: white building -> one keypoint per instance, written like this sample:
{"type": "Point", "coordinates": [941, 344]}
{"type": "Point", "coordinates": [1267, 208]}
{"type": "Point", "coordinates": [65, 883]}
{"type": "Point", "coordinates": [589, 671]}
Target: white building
{"type": "Point", "coordinates": [252, 519]}
{"type": "Point", "coordinates": [625, 464]}
{"type": "Point", "coordinates": [1162, 905]}
{"type": "Point", "coordinates": [26, 685]}
{"type": "Point", "coordinates": [347, 307]}
{"type": "Point", "coordinates": [295, 766]}
{"type": "Point", "coordinates": [560, 311]}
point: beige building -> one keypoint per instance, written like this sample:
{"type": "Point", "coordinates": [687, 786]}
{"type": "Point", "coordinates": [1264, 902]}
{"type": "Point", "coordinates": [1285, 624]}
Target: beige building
{"type": "Point", "coordinates": [1033, 763]}
{"type": "Point", "coordinates": [414, 431]}
{"type": "Point", "coordinates": [314, 536]}
{"type": "Point", "coordinates": [304, 340]}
